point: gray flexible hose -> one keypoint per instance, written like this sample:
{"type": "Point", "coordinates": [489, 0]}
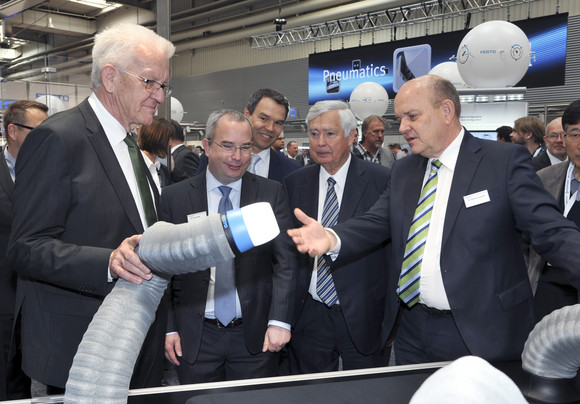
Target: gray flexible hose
{"type": "Point", "coordinates": [551, 358]}
{"type": "Point", "coordinates": [552, 349]}
{"type": "Point", "coordinates": [103, 365]}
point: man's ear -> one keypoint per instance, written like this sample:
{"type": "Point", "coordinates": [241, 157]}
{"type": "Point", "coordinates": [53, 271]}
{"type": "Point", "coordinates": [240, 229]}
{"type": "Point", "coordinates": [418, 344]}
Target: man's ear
{"type": "Point", "coordinates": [108, 77]}
{"type": "Point", "coordinates": [205, 144]}
{"type": "Point", "coordinates": [11, 131]}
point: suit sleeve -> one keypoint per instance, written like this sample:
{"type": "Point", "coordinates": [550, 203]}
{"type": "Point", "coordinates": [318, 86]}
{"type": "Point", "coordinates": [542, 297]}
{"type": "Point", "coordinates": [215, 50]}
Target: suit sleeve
{"type": "Point", "coordinates": [536, 213]}
{"type": "Point", "coordinates": [42, 198]}
{"type": "Point", "coordinates": [284, 263]}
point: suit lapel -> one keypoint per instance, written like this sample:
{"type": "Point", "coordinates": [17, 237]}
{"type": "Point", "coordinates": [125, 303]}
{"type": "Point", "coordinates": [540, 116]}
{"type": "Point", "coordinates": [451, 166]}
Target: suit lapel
{"type": "Point", "coordinates": [467, 163]}
{"type": "Point", "coordinates": [111, 167]}
{"type": "Point", "coordinates": [356, 182]}
{"type": "Point", "coordinates": [308, 192]}
{"type": "Point", "coordinates": [197, 195]}
{"type": "Point", "coordinates": [5, 178]}
{"type": "Point", "coordinates": [249, 189]}
{"type": "Point", "coordinates": [411, 190]}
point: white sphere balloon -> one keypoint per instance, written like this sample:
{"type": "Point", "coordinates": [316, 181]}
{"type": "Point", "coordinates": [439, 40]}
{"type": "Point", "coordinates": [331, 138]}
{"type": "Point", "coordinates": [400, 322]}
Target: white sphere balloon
{"type": "Point", "coordinates": [176, 109]}
{"type": "Point", "coordinates": [369, 98]}
{"type": "Point", "coordinates": [53, 103]}
{"type": "Point", "coordinates": [494, 54]}
{"type": "Point", "coordinates": [449, 71]}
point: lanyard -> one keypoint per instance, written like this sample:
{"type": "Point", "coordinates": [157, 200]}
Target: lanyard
{"type": "Point", "coordinates": [569, 199]}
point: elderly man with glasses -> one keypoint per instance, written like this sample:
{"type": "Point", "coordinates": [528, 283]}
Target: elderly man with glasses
{"type": "Point", "coordinates": [83, 195]}
{"type": "Point", "coordinates": [555, 140]}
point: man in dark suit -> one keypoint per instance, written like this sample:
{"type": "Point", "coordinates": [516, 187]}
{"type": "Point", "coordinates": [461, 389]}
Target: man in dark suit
{"type": "Point", "coordinates": [203, 341]}
{"type": "Point", "coordinates": [348, 325]}
{"type": "Point", "coordinates": [267, 110]}
{"type": "Point", "coordinates": [82, 190]}
{"type": "Point", "coordinates": [468, 291]}
{"type": "Point", "coordinates": [552, 291]}
{"type": "Point", "coordinates": [185, 162]}
{"type": "Point", "coordinates": [19, 119]}
{"type": "Point", "coordinates": [555, 146]}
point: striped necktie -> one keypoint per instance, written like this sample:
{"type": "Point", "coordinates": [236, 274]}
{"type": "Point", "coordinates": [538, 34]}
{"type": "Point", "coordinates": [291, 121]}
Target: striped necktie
{"type": "Point", "coordinates": [410, 279]}
{"type": "Point", "coordinates": [324, 283]}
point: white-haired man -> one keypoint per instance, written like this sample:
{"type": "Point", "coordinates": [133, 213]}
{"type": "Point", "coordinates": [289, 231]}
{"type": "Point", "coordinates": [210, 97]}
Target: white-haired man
{"type": "Point", "coordinates": [82, 194]}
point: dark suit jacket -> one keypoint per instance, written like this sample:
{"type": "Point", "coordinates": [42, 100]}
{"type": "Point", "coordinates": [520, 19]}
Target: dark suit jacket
{"type": "Point", "coordinates": [7, 275]}
{"type": "Point", "coordinates": [185, 164]}
{"type": "Point", "coordinates": [542, 160]}
{"type": "Point", "coordinates": [280, 166]}
{"type": "Point", "coordinates": [265, 275]}
{"type": "Point", "coordinates": [72, 207]}
{"type": "Point", "coordinates": [482, 265]}
{"type": "Point", "coordinates": [360, 282]}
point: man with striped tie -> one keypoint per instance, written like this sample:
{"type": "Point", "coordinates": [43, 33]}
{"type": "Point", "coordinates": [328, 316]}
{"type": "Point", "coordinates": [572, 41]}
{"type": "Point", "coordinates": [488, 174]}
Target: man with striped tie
{"type": "Point", "coordinates": [339, 308]}
{"type": "Point", "coordinates": [456, 222]}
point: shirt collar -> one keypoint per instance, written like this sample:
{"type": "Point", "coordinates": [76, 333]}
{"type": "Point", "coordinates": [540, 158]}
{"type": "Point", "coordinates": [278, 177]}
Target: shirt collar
{"type": "Point", "coordinates": [212, 183]}
{"type": "Point", "coordinates": [149, 162]}
{"type": "Point", "coordinates": [113, 128]}
{"type": "Point", "coordinates": [449, 156]}
{"type": "Point", "coordinates": [339, 176]}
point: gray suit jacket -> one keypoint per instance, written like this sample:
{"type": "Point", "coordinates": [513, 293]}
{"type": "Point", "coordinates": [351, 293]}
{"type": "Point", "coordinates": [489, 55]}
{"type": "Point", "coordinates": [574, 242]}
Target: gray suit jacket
{"type": "Point", "coordinates": [553, 178]}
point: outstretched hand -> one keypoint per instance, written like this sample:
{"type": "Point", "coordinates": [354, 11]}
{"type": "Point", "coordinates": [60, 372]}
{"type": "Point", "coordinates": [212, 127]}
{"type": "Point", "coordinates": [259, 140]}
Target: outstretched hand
{"type": "Point", "coordinates": [311, 238]}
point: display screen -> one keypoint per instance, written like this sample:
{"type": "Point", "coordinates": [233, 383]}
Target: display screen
{"type": "Point", "coordinates": [334, 74]}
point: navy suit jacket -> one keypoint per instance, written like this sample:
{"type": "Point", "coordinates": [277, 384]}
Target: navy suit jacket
{"type": "Point", "coordinates": [265, 275]}
{"type": "Point", "coordinates": [361, 281]}
{"type": "Point", "coordinates": [482, 265]}
{"type": "Point", "coordinates": [280, 166]}
{"type": "Point", "coordinates": [72, 208]}
{"type": "Point", "coordinates": [7, 275]}
{"type": "Point", "coordinates": [185, 164]}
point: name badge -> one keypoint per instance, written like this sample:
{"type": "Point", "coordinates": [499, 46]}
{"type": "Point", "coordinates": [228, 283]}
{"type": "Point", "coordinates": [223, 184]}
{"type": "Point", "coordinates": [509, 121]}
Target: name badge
{"type": "Point", "coordinates": [193, 216]}
{"type": "Point", "coordinates": [476, 199]}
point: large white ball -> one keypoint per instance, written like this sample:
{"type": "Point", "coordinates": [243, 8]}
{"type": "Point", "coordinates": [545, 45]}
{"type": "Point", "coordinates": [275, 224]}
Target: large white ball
{"type": "Point", "coordinates": [53, 103]}
{"type": "Point", "coordinates": [176, 109]}
{"type": "Point", "coordinates": [494, 54]}
{"type": "Point", "coordinates": [369, 98]}
{"type": "Point", "coordinates": [449, 71]}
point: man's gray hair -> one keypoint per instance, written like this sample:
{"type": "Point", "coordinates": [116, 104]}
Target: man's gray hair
{"type": "Point", "coordinates": [347, 118]}
{"type": "Point", "coordinates": [118, 46]}
{"type": "Point", "coordinates": [215, 116]}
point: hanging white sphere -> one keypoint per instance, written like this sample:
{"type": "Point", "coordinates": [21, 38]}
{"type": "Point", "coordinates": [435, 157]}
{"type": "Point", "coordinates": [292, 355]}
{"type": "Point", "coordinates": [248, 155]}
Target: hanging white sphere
{"type": "Point", "coordinates": [449, 71]}
{"type": "Point", "coordinates": [494, 54]}
{"type": "Point", "coordinates": [369, 98]}
{"type": "Point", "coordinates": [176, 109]}
{"type": "Point", "coordinates": [53, 103]}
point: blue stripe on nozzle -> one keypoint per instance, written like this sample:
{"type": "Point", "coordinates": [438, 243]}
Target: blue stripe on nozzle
{"type": "Point", "coordinates": [239, 230]}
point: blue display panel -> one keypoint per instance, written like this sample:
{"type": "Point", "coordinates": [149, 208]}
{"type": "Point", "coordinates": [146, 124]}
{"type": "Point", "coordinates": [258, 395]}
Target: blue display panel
{"type": "Point", "coordinates": [334, 74]}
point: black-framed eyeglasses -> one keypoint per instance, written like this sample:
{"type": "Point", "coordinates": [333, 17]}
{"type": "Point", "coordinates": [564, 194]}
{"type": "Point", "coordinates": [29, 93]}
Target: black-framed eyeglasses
{"type": "Point", "coordinates": [23, 126]}
{"type": "Point", "coordinates": [151, 86]}
{"type": "Point", "coordinates": [231, 149]}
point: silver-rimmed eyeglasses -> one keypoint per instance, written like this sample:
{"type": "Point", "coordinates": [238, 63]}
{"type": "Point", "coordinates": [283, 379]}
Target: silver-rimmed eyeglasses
{"type": "Point", "coordinates": [151, 86]}
{"type": "Point", "coordinates": [231, 149]}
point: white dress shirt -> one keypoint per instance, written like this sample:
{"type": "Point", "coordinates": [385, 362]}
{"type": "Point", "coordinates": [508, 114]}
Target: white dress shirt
{"type": "Point", "coordinates": [432, 289]}
{"type": "Point", "coordinates": [154, 168]}
{"type": "Point", "coordinates": [116, 135]}
{"type": "Point", "coordinates": [340, 178]}
{"type": "Point", "coordinates": [262, 166]}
